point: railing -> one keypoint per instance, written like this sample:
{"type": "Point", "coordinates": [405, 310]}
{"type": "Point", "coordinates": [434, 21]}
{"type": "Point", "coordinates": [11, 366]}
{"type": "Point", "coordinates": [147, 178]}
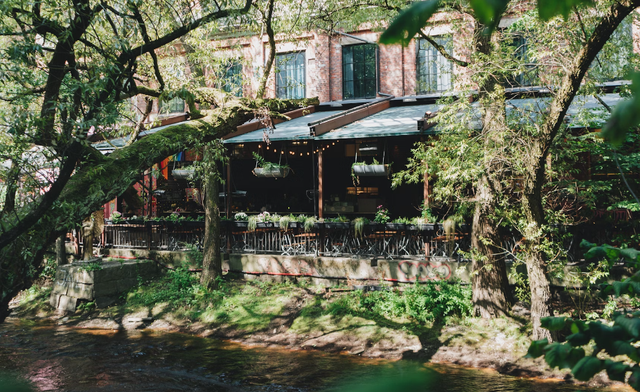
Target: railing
{"type": "Point", "coordinates": [325, 239]}
{"type": "Point", "coordinates": [335, 239]}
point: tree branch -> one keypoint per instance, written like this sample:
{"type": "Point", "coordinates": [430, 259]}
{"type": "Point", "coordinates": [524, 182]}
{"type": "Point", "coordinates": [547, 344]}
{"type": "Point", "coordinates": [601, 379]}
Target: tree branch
{"type": "Point", "coordinates": [442, 51]}
{"type": "Point", "coordinates": [272, 52]}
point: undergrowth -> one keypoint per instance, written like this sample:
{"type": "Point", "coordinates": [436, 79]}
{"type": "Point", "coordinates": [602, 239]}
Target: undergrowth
{"type": "Point", "coordinates": [430, 302]}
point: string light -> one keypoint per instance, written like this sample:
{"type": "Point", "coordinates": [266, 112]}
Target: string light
{"type": "Point", "coordinates": [274, 150]}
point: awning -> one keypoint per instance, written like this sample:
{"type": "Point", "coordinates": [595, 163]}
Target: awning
{"type": "Point", "coordinates": [296, 129]}
{"type": "Point", "coordinates": [395, 121]}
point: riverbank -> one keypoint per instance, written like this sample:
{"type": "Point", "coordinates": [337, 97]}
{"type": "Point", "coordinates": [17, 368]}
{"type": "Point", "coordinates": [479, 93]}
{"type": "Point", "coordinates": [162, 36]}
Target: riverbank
{"type": "Point", "coordinates": [429, 323]}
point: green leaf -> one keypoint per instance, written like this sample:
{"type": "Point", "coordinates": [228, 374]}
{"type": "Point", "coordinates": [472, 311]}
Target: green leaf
{"type": "Point", "coordinates": [575, 355]}
{"type": "Point", "coordinates": [536, 349]}
{"type": "Point", "coordinates": [489, 12]}
{"type": "Point", "coordinates": [547, 9]}
{"type": "Point", "coordinates": [584, 244]}
{"type": "Point", "coordinates": [630, 325]}
{"type": "Point", "coordinates": [625, 116]}
{"type": "Point", "coordinates": [586, 368]}
{"type": "Point", "coordinates": [407, 24]}
{"type": "Point", "coordinates": [634, 380]}
{"type": "Point", "coordinates": [616, 370]}
{"type": "Point", "coordinates": [578, 339]}
{"type": "Point", "coordinates": [553, 323]}
{"type": "Point", "coordinates": [556, 354]}
{"type": "Point", "coordinates": [630, 254]}
{"type": "Point", "coordinates": [579, 326]}
{"type": "Point", "coordinates": [605, 335]}
{"type": "Point", "coordinates": [623, 348]}
{"type": "Point", "coordinates": [621, 288]}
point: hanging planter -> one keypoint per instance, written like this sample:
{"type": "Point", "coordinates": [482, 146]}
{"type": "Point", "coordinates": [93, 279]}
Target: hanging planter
{"type": "Point", "coordinates": [183, 174]}
{"type": "Point", "coordinates": [371, 170]}
{"type": "Point", "coordinates": [269, 169]}
{"type": "Point", "coordinates": [273, 172]}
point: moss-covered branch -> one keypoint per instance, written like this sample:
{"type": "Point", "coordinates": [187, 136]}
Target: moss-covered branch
{"type": "Point", "coordinates": [100, 179]}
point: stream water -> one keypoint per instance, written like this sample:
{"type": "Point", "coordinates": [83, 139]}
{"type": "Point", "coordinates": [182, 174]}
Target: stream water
{"type": "Point", "coordinates": [36, 356]}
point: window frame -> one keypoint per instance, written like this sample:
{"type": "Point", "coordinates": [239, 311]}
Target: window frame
{"type": "Point", "coordinates": [361, 84]}
{"type": "Point", "coordinates": [294, 80]}
{"type": "Point", "coordinates": [232, 80]}
{"type": "Point", "coordinates": [427, 56]}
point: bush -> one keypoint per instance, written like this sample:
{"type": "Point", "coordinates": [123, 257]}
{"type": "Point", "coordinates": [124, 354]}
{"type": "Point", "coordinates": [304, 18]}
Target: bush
{"type": "Point", "coordinates": [432, 301]}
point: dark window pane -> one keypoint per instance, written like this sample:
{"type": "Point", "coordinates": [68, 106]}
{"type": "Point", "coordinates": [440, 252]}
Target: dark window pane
{"type": "Point", "coordinates": [359, 71]}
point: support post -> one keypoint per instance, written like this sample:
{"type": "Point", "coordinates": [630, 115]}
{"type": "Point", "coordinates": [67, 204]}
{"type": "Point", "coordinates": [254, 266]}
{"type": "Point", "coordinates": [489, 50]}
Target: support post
{"type": "Point", "coordinates": [425, 192]}
{"type": "Point", "coordinates": [320, 188]}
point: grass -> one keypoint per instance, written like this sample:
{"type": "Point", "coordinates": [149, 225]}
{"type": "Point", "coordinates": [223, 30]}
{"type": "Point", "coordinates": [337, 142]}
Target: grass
{"type": "Point", "coordinates": [437, 313]}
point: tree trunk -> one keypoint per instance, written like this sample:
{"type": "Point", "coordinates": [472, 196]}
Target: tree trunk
{"type": "Point", "coordinates": [534, 257]}
{"type": "Point", "coordinates": [12, 189]}
{"type": "Point", "coordinates": [490, 283]}
{"type": "Point", "coordinates": [61, 250]}
{"type": "Point", "coordinates": [212, 260]}
{"type": "Point", "coordinates": [87, 241]}
{"type": "Point", "coordinates": [491, 295]}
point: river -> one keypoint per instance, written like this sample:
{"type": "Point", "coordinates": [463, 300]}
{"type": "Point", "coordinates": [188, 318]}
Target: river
{"type": "Point", "coordinates": [43, 356]}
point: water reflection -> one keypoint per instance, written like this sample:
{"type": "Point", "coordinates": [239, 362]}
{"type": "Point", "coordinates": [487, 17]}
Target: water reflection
{"type": "Point", "coordinates": [47, 357]}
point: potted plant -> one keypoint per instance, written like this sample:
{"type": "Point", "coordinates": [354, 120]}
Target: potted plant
{"type": "Point", "coordinates": [185, 173]}
{"type": "Point", "coordinates": [241, 220]}
{"type": "Point", "coordinates": [375, 169]}
{"type": "Point", "coordinates": [269, 169]}
{"type": "Point", "coordinates": [117, 218]}
{"type": "Point", "coordinates": [339, 222]}
{"type": "Point", "coordinates": [310, 223]}
{"type": "Point", "coordinates": [284, 222]}
{"type": "Point", "coordinates": [358, 226]}
{"type": "Point", "coordinates": [398, 224]}
{"type": "Point", "coordinates": [381, 218]}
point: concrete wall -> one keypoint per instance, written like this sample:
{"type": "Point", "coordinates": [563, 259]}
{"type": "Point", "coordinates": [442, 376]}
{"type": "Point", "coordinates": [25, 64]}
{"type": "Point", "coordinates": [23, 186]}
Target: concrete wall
{"type": "Point", "coordinates": [74, 282]}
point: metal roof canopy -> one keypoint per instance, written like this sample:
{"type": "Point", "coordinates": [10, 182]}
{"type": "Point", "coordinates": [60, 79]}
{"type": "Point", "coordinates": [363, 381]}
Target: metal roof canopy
{"type": "Point", "coordinates": [296, 129]}
{"type": "Point", "coordinates": [395, 121]}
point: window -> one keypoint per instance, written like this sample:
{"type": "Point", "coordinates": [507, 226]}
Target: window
{"type": "Point", "coordinates": [175, 105]}
{"type": "Point", "coordinates": [434, 70]}
{"type": "Point", "coordinates": [359, 71]}
{"type": "Point", "coordinates": [290, 75]}
{"type": "Point", "coordinates": [232, 78]}
{"type": "Point", "coordinates": [613, 61]}
{"type": "Point", "coordinates": [529, 77]}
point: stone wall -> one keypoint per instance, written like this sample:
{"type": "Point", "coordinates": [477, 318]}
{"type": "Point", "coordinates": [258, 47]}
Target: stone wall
{"type": "Point", "coordinates": [75, 282]}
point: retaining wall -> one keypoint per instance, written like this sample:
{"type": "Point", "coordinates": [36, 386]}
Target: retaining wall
{"type": "Point", "coordinates": [74, 282]}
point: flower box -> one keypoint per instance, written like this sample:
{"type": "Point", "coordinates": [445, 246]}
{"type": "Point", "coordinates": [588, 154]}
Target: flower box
{"type": "Point", "coordinates": [396, 226]}
{"type": "Point", "coordinates": [371, 170]}
{"type": "Point", "coordinates": [337, 225]}
{"type": "Point", "coordinates": [273, 172]}
{"type": "Point", "coordinates": [183, 174]}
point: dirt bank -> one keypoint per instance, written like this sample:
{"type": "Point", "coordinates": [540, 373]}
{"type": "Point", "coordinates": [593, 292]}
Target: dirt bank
{"type": "Point", "coordinates": [489, 344]}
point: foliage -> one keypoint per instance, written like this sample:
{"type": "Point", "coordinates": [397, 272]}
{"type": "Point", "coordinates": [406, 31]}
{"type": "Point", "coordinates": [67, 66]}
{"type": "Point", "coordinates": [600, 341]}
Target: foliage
{"type": "Point", "coordinates": [422, 303]}
{"type": "Point", "coordinates": [619, 338]}
{"type": "Point", "coordinates": [93, 266]}
{"type": "Point", "coordinates": [49, 269]}
{"type": "Point", "coordinates": [240, 217]}
{"type": "Point", "coordinates": [284, 222]}
{"type": "Point", "coordinates": [359, 225]}
{"type": "Point", "coordinates": [266, 164]}
{"type": "Point", "coordinates": [309, 224]}
{"type": "Point", "coordinates": [382, 215]}
{"type": "Point", "coordinates": [116, 217]}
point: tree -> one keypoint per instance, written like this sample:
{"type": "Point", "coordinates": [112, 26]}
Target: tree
{"type": "Point", "coordinates": [506, 151]}
{"type": "Point", "coordinates": [69, 70]}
